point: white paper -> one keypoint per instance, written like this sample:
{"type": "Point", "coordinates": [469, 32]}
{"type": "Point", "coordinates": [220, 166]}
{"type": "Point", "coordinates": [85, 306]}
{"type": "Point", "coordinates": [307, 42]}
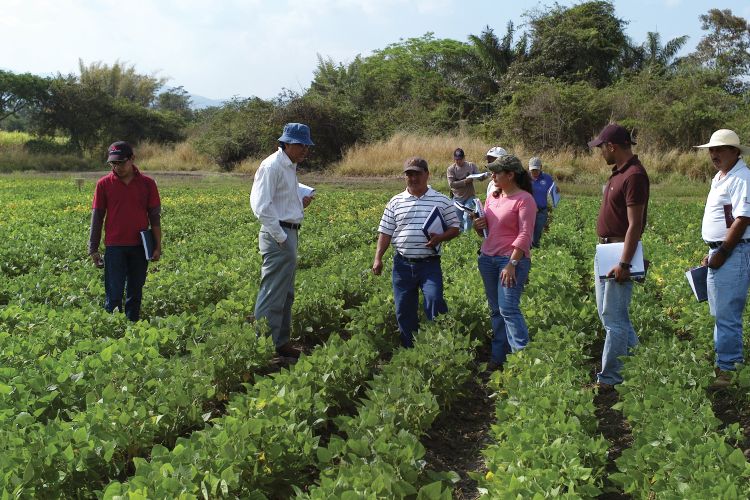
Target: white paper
{"type": "Point", "coordinates": [608, 256]}
{"type": "Point", "coordinates": [480, 176]}
{"type": "Point", "coordinates": [434, 223]}
{"type": "Point", "coordinates": [554, 194]}
{"type": "Point", "coordinates": [304, 190]}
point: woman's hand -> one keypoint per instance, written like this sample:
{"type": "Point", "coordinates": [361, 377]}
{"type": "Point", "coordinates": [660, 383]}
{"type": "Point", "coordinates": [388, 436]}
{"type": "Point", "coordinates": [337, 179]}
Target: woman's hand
{"type": "Point", "coordinates": [508, 276]}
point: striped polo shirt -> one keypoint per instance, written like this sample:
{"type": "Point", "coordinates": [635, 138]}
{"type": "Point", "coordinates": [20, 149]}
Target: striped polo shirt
{"type": "Point", "coordinates": [403, 218]}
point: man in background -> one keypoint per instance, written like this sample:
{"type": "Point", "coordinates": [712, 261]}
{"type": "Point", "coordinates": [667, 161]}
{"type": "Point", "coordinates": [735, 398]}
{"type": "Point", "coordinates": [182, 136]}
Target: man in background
{"type": "Point", "coordinates": [416, 262]}
{"type": "Point", "coordinates": [622, 218]}
{"type": "Point", "coordinates": [461, 185]}
{"type": "Point", "coordinates": [725, 230]}
{"type": "Point", "coordinates": [493, 154]}
{"type": "Point", "coordinates": [276, 203]}
{"type": "Point", "coordinates": [126, 202]}
{"type": "Point", "coordinates": [540, 183]}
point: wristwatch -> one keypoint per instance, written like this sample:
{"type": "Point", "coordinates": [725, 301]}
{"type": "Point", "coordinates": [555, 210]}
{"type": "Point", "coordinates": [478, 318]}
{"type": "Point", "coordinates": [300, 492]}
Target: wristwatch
{"type": "Point", "coordinates": [514, 262]}
{"type": "Point", "coordinates": [625, 265]}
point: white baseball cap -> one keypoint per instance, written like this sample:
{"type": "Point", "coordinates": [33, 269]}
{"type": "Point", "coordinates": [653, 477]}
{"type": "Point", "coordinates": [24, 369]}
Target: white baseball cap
{"type": "Point", "coordinates": [496, 152]}
{"type": "Point", "coordinates": [535, 163]}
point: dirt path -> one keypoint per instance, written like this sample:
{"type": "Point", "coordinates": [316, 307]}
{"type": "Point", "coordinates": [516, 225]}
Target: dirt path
{"type": "Point", "coordinates": [456, 439]}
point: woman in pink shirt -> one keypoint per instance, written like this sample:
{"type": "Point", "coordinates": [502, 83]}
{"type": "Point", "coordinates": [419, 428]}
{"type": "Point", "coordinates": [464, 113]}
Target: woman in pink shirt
{"type": "Point", "coordinates": [504, 262]}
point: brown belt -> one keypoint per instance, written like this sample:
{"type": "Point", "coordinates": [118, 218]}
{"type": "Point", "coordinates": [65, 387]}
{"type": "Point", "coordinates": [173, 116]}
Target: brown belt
{"type": "Point", "coordinates": [611, 239]}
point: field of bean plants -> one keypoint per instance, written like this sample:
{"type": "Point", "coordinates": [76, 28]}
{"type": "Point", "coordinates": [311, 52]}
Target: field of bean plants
{"type": "Point", "coordinates": [189, 403]}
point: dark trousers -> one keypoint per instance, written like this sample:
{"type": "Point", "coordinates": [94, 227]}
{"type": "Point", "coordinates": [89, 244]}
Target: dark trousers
{"type": "Point", "coordinates": [124, 271]}
{"type": "Point", "coordinates": [408, 279]}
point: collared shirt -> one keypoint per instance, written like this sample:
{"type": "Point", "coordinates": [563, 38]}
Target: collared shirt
{"type": "Point", "coordinates": [274, 196]}
{"type": "Point", "coordinates": [510, 224]}
{"type": "Point", "coordinates": [126, 207]}
{"type": "Point", "coordinates": [729, 198]}
{"type": "Point", "coordinates": [541, 186]}
{"type": "Point", "coordinates": [457, 180]}
{"type": "Point", "coordinates": [627, 186]}
{"type": "Point", "coordinates": [404, 216]}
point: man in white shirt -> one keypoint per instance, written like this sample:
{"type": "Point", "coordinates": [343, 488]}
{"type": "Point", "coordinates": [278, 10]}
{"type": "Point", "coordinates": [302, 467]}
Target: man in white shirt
{"type": "Point", "coordinates": [276, 203]}
{"type": "Point", "coordinates": [416, 263]}
{"type": "Point", "coordinates": [725, 230]}
{"type": "Point", "coordinates": [493, 154]}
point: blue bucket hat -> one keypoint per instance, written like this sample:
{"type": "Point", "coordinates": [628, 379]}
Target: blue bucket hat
{"type": "Point", "coordinates": [296, 133]}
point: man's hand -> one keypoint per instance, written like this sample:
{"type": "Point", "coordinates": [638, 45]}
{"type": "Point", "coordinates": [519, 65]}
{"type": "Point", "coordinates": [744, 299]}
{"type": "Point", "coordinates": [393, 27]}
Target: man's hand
{"type": "Point", "coordinates": [480, 223]}
{"type": "Point", "coordinates": [157, 254]}
{"type": "Point", "coordinates": [377, 266]}
{"type": "Point", "coordinates": [306, 201]}
{"type": "Point", "coordinates": [96, 257]}
{"type": "Point", "coordinates": [619, 274]}
{"type": "Point", "coordinates": [716, 260]}
{"type": "Point", "coordinates": [704, 261]}
{"type": "Point", "coordinates": [469, 180]}
{"type": "Point", "coordinates": [435, 240]}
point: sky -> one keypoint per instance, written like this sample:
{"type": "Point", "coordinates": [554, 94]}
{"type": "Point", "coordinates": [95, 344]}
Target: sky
{"type": "Point", "coordinates": [224, 48]}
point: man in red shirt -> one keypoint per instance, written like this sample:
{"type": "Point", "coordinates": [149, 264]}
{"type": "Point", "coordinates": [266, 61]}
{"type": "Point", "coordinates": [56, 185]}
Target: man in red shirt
{"type": "Point", "coordinates": [126, 202]}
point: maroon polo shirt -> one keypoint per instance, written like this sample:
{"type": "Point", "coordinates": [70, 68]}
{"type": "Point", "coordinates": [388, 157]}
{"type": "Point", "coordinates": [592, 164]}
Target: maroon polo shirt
{"type": "Point", "coordinates": [126, 207]}
{"type": "Point", "coordinates": [627, 186]}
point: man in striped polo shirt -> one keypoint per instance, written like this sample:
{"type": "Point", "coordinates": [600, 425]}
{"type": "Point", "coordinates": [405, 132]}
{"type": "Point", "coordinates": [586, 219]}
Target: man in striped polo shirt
{"type": "Point", "coordinates": [416, 263]}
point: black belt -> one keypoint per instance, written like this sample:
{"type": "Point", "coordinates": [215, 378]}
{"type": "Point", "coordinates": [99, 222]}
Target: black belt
{"type": "Point", "coordinates": [611, 239]}
{"type": "Point", "coordinates": [414, 260]}
{"type": "Point", "coordinates": [716, 244]}
{"type": "Point", "coordinates": [290, 225]}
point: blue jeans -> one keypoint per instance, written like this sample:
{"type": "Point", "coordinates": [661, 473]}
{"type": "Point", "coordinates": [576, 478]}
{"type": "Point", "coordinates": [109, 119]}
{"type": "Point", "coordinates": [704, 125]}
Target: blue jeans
{"type": "Point", "coordinates": [124, 271]}
{"type": "Point", "coordinates": [612, 303]}
{"type": "Point", "coordinates": [509, 330]}
{"type": "Point", "coordinates": [464, 219]}
{"type": "Point", "coordinates": [539, 223]}
{"type": "Point", "coordinates": [727, 295]}
{"type": "Point", "coordinates": [276, 291]}
{"type": "Point", "coordinates": [408, 278]}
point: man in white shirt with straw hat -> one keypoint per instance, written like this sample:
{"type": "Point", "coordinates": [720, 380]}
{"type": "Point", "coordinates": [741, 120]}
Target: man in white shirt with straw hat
{"type": "Point", "coordinates": [725, 230]}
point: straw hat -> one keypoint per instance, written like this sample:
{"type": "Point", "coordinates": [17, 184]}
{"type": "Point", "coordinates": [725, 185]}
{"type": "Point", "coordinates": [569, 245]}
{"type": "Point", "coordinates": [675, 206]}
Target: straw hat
{"type": "Point", "coordinates": [724, 137]}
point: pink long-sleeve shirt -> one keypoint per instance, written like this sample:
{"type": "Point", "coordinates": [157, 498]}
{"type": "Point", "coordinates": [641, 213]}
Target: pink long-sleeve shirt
{"type": "Point", "coordinates": [510, 223]}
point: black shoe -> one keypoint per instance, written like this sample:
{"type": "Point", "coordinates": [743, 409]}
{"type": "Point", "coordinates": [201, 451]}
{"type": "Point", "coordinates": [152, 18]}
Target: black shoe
{"type": "Point", "coordinates": [288, 351]}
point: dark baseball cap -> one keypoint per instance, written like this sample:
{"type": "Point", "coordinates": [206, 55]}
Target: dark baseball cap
{"type": "Point", "coordinates": [614, 134]}
{"type": "Point", "coordinates": [119, 151]}
{"type": "Point", "coordinates": [458, 153]}
{"type": "Point", "coordinates": [415, 164]}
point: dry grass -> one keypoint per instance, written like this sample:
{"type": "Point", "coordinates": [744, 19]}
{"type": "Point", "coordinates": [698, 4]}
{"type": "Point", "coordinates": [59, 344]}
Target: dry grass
{"type": "Point", "coordinates": [385, 158]}
{"type": "Point", "coordinates": [181, 156]}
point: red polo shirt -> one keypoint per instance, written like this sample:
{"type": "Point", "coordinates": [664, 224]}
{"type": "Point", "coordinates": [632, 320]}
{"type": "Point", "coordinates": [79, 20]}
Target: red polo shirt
{"type": "Point", "coordinates": [627, 186]}
{"type": "Point", "coordinates": [126, 207]}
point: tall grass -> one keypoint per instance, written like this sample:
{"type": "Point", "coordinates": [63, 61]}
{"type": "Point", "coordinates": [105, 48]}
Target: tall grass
{"type": "Point", "coordinates": [172, 157]}
{"type": "Point", "coordinates": [385, 158]}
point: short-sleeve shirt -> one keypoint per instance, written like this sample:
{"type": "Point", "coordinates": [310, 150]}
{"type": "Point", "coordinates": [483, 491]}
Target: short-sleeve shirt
{"type": "Point", "coordinates": [126, 207]}
{"type": "Point", "coordinates": [627, 186]}
{"type": "Point", "coordinates": [729, 198]}
{"type": "Point", "coordinates": [541, 186]}
{"type": "Point", "coordinates": [404, 216]}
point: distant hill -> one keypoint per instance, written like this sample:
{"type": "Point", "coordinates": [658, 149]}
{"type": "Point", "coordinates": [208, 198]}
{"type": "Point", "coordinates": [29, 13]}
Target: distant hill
{"type": "Point", "coordinates": [200, 102]}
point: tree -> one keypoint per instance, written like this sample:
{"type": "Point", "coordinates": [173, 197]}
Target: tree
{"type": "Point", "coordinates": [580, 43]}
{"type": "Point", "coordinates": [176, 100]}
{"type": "Point", "coordinates": [20, 92]}
{"type": "Point", "coordinates": [725, 46]}
{"type": "Point", "coordinates": [78, 111]}
{"type": "Point", "coordinates": [121, 81]}
{"type": "Point", "coordinates": [494, 57]}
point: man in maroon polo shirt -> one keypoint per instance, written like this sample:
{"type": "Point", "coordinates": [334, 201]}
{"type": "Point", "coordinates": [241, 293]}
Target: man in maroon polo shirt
{"type": "Point", "coordinates": [126, 202]}
{"type": "Point", "coordinates": [622, 218]}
